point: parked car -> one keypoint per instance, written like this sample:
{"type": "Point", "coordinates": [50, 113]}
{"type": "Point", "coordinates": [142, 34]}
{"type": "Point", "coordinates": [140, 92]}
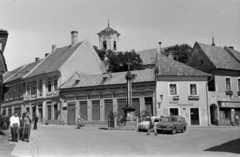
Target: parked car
{"type": "Point", "coordinates": [172, 124]}
{"type": "Point", "coordinates": [144, 125]}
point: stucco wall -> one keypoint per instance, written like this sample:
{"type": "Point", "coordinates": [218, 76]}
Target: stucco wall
{"type": "Point", "coordinates": [85, 60]}
{"type": "Point", "coordinates": [183, 104]}
{"type": "Point", "coordinates": [220, 82]}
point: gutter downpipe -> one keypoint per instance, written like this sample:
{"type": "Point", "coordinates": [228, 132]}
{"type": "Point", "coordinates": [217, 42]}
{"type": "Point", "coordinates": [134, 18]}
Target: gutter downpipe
{"type": "Point", "coordinates": [208, 113]}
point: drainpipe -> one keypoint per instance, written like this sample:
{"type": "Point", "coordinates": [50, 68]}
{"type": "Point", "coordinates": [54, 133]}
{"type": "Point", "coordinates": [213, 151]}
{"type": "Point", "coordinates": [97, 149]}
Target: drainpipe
{"type": "Point", "coordinates": [208, 113]}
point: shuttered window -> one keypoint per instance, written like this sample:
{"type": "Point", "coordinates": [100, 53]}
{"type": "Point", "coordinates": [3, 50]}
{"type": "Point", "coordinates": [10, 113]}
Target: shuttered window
{"type": "Point", "coordinates": [95, 110]}
{"type": "Point", "coordinates": [121, 105]}
{"type": "Point", "coordinates": [136, 105]}
{"type": "Point", "coordinates": [108, 107]}
{"type": "Point", "coordinates": [83, 110]}
{"type": "Point", "coordinates": [149, 105]}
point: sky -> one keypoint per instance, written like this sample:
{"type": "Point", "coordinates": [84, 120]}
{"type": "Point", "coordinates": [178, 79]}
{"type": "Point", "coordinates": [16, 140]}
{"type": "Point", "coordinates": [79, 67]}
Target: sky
{"type": "Point", "coordinates": [35, 25]}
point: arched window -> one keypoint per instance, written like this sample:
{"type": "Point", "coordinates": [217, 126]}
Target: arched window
{"type": "Point", "coordinates": [114, 45]}
{"type": "Point", "coordinates": [105, 44]}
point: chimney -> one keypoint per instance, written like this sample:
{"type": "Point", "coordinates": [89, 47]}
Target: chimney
{"type": "Point", "coordinates": [46, 54]}
{"type": "Point", "coordinates": [37, 59]}
{"type": "Point", "coordinates": [53, 48]}
{"type": "Point", "coordinates": [231, 47]}
{"type": "Point", "coordinates": [159, 48]}
{"type": "Point", "coordinates": [213, 44]}
{"type": "Point", "coordinates": [170, 55]}
{"type": "Point", "coordinates": [74, 38]}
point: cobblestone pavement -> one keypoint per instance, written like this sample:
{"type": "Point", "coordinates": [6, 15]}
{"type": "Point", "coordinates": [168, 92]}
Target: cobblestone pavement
{"type": "Point", "coordinates": [91, 141]}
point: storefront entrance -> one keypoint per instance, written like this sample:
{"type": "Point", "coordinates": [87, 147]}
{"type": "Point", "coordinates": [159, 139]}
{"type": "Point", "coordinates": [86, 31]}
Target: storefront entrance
{"type": "Point", "coordinates": [194, 116]}
{"type": "Point", "coordinates": [71, 114]}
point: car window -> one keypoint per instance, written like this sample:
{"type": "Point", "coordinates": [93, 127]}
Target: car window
{"type": "Point", "coordinates": [146, 119]}
{"type": "Point", "coordinates": [169, 119]}
{"type": "Point", "coordinates": [156, 120]}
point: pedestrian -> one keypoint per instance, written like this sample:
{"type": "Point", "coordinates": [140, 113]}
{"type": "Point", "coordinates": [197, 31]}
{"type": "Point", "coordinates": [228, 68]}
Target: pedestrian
{"type": "Point", "coordinates": [14, 124]}
{"type": "Point", "coordinates": [237, 120]}
{"type": "Point", "coordinates": [27, 127]}
{"type": "Point", "coordinates": [21, 130]}
{"type": "Point", "coordinates": [152, 127]}
{"type": "Point", "coordinates": [79, 121]}
{"type": "Point", "coordinates": [35, 121]}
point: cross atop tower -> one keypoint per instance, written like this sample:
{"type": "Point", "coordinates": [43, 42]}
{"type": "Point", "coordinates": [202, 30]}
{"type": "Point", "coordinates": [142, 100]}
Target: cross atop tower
{"type": "Point", "coordinates": [128, 63]}
{"type": "Point", "coordinates": [108, 23]}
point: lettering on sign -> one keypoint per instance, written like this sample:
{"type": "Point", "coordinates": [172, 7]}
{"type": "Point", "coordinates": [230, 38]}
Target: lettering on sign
{"type": "Point", "coordinates": [190, 104]}
{"type": "Point", "coordinates": [180, 104]}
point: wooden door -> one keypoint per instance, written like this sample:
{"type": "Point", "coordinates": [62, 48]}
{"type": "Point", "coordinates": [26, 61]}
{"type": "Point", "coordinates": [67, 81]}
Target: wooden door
{"type": "Point", "coordinates": [71, 114]}
{"type": "Point", "coordinates": [95, 110]}
{"type": "Point", "coordinates": [108, 108]}
{"type": "Point", "coordinates": [121, 105]}
{"type": "Point", "coordinates": [83, 110]}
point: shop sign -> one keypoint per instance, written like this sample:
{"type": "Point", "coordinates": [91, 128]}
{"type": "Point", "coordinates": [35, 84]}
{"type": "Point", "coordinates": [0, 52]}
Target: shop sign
{"type": "Point", "coordinates": [193, 97]}
{"type": "Point", "coordinates": [181, 104]}
{"type": "Point", "coordinates": [229, 104]}
{"type": "Point", "coordinates": [12, 103]}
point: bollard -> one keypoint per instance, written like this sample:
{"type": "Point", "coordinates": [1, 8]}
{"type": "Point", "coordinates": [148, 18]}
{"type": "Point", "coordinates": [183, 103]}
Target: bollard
{"type": "Point", "coordinates": [115, 122]}
{"type": "Point", "coordinates": [137, 123]}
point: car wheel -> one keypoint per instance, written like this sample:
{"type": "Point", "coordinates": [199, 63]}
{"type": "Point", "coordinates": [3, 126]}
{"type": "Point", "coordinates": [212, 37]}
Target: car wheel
{"type": "Point", "coordinates": [174, 131]}
{"type": "Point", "coordinates": [139, 130]}
{"type": "Point", "coordinates": [183, 130]}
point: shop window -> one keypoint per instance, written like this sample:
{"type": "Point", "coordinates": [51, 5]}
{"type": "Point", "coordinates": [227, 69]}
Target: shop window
{"type": "Point", "coordinates": [34, 83]}
{"type": "Point", "coordinates": [55, 83]}
{"type": "Point", "coordinates": [49, 84]}
{"type": "Point", "coordinates": [172, 89]}
{"type": "Point", "coordinates": [28, 88]}
{"type": "Point", "coordinates": [173, 111]}
{"type": "Point", "coordinates": [55, 112]}
{"type": "Point", "coordinates": [40, 87]}
{"type": "Point", "coordinates": [228, 84]}
{"type": "Point", "coordinates": [193, 89]}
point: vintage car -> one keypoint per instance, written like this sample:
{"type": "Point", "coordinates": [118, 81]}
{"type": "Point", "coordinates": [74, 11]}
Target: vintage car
{"type": "Point", "coordinates": [172, 124]}
{"type": "Point", "coordinates": [144, 125]}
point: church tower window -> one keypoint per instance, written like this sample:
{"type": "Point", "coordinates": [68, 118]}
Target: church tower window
{"type": "Point", "coordinates": [114, 45]}
{"type": "Point", "coordinates": [105, 44]}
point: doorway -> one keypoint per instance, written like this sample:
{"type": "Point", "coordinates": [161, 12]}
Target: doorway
{"type": "Point", "coordinates": [194, 112]}
{"type": "Point", "coordinates": [214, 114]}
{"type": "Point", "coordinates": [71, 114]}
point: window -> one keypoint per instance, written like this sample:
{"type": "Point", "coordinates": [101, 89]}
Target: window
{"type": "Point", "coordinates": [173, 89]}
{"type": "Point", "coordinates": [228, 84]}
{"type": "Point", "coordinates": [14, 93]}
{"type": "Point", "coordinates": [40, 86]}
{"type": "Point", "coordinates": [28, 88]}
{"type": "Point", "coordinates": [114, 45]}
{"type": "Point", "coordinates": [5, 96]}
{"type": "Point", "coordinates": [193, 89]}
{"type": "Point", "coordinates": [19, 92]}
{"type": "Point", "coordinates": [55, 83]}
{"type": "Point", "coordinates": [174, 111]}
{"type": "Point", "coordinates": [34, 83]}
{"type": "Point", "coordinates": [238, 84]}
{"type": "Point", "coordinates": [9, 93]}
{"type": "Point", "coordinates": [104, 44]}
{"type": "Point", "coordinates": [50, 84]}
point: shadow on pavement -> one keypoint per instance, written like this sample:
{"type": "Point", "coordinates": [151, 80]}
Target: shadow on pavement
{"type": "Point", "coordinates": [230, 147]}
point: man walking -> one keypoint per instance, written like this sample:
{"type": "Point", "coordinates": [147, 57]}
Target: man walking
{"type": "Point", "coordinates": [27, 127]}
{"type": "Point", "coordinates": [14, 124]}
{"type": "Point", "coordinates": [236, 120]}
{"type": "Point", "coordinates": [35, 121]}
{"type": "Point", "coordinates": [152, 126]}
{"type": "Point", "coordinates": [79, 121]}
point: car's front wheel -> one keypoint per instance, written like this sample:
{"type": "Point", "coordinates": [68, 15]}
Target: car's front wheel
{"type": "Point", "coordinates": [174, 131]}
{"type": "Point", "coordinates": [183, 130]}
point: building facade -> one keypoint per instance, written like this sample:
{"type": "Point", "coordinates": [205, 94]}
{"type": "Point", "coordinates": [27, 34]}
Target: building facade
{"type": "Point", "coordinates": [223, 95]}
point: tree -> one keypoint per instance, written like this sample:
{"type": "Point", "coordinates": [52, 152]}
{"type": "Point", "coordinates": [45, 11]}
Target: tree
{"type": "Point", "coordinates": [181, 52]}
{"type": "Point", "coordinates": [117, 61]}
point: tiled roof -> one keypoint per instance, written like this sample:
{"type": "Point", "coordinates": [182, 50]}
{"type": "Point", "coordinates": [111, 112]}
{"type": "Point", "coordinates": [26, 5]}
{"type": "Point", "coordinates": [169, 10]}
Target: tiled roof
{"type": "Point", "coordinates": [149, 56]}
{"type": "Point", "coordinates": [220, 57]}
{"type": "Point", "coordinates": [24, 70]}
{"type": "Point", "coordinates": [146, 75]}
{"type": "Point", "coordinates": [170, 67]}
{"type": "Point", "coordinates": [54, 60]}
{"type": "Point", "coordinates": [233, 52]}
{"type": "Point", "coordinates": [108, 31]}
{"type": "Point", "coordinates": [8, 74]}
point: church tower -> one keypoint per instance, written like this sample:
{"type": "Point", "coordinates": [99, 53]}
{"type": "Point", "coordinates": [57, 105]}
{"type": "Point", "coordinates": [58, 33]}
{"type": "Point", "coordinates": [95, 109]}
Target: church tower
{"type": "Point", "coordinates": [109, 39]}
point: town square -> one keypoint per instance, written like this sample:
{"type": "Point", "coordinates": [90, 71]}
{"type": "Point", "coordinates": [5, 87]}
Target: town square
{"type": "Point", "coordinates": [119, 78]}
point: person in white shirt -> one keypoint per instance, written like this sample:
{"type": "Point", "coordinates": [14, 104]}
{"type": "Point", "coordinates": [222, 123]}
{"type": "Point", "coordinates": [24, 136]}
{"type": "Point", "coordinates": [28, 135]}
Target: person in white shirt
{"type": "Point", "coordinates": [14, 123]}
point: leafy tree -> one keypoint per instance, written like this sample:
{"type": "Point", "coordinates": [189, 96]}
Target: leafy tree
{"type": "Point", "coordinates": [117, 61]}
{"type": "Point", "coordinates": [181, 52]}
